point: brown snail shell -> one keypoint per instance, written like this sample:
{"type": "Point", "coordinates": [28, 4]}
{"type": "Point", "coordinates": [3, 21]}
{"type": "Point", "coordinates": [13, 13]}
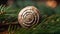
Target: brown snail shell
{"type": "Point", "coordinates": [28, 16]}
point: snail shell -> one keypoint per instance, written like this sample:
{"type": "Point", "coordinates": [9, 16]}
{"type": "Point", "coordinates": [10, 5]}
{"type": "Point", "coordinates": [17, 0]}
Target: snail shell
{"type": "Point", "coordinates": [28, 17]}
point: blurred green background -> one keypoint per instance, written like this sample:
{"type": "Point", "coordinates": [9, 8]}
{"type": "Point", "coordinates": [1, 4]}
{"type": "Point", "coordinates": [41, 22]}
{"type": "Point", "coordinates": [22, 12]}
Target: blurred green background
{"type": "Point", "coordinates": [50, 21]}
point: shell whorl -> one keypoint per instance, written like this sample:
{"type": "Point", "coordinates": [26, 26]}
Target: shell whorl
{"type": "Point", "coordinates": [28, 16]}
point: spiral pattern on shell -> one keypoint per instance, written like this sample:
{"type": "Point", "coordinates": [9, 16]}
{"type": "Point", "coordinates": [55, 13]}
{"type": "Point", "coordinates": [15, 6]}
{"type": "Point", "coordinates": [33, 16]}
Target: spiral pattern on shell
{"type": "Point", "coordinates": [28, 16]}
